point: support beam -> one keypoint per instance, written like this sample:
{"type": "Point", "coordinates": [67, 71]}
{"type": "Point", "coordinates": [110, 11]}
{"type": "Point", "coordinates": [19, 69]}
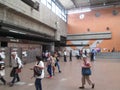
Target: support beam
{"type": "Point", "coordinates": [74, 3]}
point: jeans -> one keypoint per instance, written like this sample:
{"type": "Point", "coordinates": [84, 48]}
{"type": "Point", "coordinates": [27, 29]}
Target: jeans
{"type": "Point", "coordinates": [3, 80]}
{"type": "Point", "coordinates": [65, 60]}
{"type": "Point", "coordinates": [49, 69]}
{"type": "Point", "coordinates": [57, 64]}
{"type": "Point", "coordinates": [16, 76]}
{"type": "Point", "coordinates": [38, 84]}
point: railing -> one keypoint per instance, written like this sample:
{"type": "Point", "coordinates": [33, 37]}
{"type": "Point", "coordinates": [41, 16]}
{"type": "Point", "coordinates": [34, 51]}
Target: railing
{"type": "Point", "coordinates": [109, 55]}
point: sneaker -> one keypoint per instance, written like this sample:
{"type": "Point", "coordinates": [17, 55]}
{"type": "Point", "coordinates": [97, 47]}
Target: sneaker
{"type": "Point", "coordinates": [93, 85]}
{"type": "Point", "coordinates": [82, 87]}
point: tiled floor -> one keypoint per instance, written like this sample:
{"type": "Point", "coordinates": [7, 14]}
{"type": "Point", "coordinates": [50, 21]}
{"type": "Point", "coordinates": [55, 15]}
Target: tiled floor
{"type": "Point", "coordinates": [105, 74]}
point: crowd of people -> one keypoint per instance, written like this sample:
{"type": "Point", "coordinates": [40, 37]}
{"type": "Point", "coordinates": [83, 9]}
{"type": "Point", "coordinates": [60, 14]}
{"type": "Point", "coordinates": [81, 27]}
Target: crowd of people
{"type": "Point", "coordinates": [52, 62]}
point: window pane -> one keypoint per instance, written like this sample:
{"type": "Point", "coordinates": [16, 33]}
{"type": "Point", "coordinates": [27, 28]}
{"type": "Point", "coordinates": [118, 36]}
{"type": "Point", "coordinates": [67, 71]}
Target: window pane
{"type": "Point", "coordinates": [43, 1]}
{"type": "Point", "coordinates": [58, 11]}
{"type": "Point", "coordinates": [53, 7]}
{"type": "Point", "coordinates": [49, 1]}
{"type": "Point", "coordinates": [49, 4]}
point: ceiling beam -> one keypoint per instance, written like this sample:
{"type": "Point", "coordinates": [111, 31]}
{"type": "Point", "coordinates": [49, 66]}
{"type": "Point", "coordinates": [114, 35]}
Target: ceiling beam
{"type": "Point", "coordinates": [74, 3]}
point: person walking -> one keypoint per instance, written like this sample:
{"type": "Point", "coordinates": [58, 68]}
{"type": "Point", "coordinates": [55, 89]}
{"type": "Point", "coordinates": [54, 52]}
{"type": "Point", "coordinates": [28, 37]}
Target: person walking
{"type": "Point", "coordinates": [17, 65]}
{"type": "Point", "coordinates": [86, 72]}
{"type": "Point", "coordinates": [2, 70]}
{"type": "Point", "coordinates": [53, 64]}
{"type": "Point", "coordinates": [57, 62]}
{"type": "Point", "coordinates": [49, 66]}
{"type": "Point", "coordinates": [38, 77]}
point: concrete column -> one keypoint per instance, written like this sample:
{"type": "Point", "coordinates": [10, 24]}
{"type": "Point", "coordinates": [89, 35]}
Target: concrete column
{"type": "Point", "coordinates": [52, 47]}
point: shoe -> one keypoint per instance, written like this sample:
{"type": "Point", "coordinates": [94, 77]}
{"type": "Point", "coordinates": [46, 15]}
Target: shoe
{"type": "Point", "coordinates": [50, 77]}
{"type": "Point", "coordinates": [93, 85]}
{"type": "Point", "coordinates": [11, 84]}
{"type": "Point", "coordinates": [18, 81]}
{"type": "Point", "coordinates": [59, 71]}
{"type": "Point", "coordinates": [5, 83]}
{"type": "Point", "coordinates": [82, 87]}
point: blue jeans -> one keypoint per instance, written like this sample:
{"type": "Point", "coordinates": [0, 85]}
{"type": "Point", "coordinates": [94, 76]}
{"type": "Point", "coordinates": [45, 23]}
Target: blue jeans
{"type": "Point", "coordinates": [57, 64]}
{"type": "Point", "coordinates": [15, 76]}
{"type": "Point", "coordinates": [38, 84]}
{"type": "Point", "coordinates": [65, 60]}
{"type": "Point", "coordinates": [49, 69]}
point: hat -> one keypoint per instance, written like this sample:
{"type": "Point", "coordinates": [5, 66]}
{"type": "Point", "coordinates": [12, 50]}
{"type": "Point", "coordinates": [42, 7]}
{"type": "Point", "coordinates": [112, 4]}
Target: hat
{"type": "Point", "coordinates": [14, 53]}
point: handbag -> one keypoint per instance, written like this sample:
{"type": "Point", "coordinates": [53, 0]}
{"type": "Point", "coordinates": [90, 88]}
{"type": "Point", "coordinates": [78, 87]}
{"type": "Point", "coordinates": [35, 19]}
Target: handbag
{"type": "Point", "coordinates": [18, 70]}
{"type": "Point", "coordinates": [86, 71]}
{"type": "Point", "coordinates": [37, 71]}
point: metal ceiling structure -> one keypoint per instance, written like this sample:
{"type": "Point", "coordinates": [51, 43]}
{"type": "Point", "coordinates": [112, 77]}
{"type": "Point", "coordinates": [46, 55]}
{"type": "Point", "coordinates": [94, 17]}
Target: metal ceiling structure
{"type": "Point", "coordinates": [75, 4]}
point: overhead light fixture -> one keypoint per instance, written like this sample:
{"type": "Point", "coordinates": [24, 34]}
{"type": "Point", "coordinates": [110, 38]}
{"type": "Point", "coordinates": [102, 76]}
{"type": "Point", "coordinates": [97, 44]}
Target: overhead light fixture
{"type": "Point", "coordinates": [13, 30]}
{"type": "Point", "coordinates": [79, 10]}
{"type": "Point", "coordinates": [16, 32]}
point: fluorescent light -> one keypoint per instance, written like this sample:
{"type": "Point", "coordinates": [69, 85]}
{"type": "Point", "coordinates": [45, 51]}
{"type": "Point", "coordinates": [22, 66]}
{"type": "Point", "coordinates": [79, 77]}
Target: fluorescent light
{"type": "Point", "coordinates": [13, 30]}
{"type": "Point", "coordinates": [80, 10]}
{"type": "Point", "coordinates": [16, 32]}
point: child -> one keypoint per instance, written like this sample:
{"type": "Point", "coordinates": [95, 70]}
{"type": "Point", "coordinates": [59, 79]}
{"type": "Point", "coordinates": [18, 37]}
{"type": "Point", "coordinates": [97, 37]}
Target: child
{"type": "Point", "coordinates": [2, 70]}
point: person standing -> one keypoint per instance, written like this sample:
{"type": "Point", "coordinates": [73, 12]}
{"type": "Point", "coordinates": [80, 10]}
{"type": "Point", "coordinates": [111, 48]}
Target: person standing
{"type": "Point", "coordinates": [38, 78]}
{"type": "Point", "coordinates": [70, 55]}
{"type": "Point", "coordinates": [2, 70]}
{"type": "Point", "coordinates": [93, 55]}
{"type": "Point", "coordinates": [17, 65]}
{"type": "Point", "coordinates": [65, 56]}
{"type": "Point", "coordinates": [86, 72]}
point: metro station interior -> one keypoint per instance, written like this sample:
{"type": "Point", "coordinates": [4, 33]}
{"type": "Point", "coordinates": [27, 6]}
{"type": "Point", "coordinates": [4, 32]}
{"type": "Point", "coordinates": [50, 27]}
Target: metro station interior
{"type": "Point", "coordinates": [30, 27]}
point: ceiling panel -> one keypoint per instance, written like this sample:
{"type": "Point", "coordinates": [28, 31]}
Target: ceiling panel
{"type": "Point", "coordinates": [73, 4]}
{"type": "Point", "coordinates": [82, 3]}
{"type": "Point", "coordinates": [68, 4]}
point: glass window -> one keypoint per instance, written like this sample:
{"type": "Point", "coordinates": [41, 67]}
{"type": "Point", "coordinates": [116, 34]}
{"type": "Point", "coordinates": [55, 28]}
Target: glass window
{"type": "Point", "coordinates": [49, 4]}
{"type": "Point", "coordinates": [49, 1]}
{"type": "Point", "coordinates": [58, 11]}
{"type": "Point", "coordinates": [53, 7]}
{"type": "Point", "coordinates": [44, 2]}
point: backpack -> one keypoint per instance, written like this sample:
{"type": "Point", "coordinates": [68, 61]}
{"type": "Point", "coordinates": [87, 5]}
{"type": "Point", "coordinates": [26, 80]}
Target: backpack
{"type": "Point", "coordinates": [37, 71]}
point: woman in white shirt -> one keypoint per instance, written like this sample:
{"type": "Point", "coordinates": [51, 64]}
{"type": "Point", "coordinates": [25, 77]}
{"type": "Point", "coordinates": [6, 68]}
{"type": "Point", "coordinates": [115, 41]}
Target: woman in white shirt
{"type": "Point", "coordinates": [39, 64]}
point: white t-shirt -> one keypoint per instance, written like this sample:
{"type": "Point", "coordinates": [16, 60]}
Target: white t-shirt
{"type": "Point", "coordinates": [41, 64]}
{"type": "Point", "coordinates": [17, 62]}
